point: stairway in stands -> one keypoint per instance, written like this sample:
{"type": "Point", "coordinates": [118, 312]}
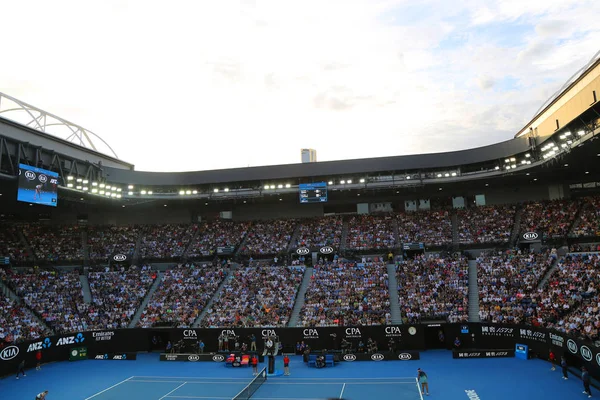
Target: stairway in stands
{"type": "Point", "coordinates": [215, 297]}
{"type": "Point", "coordinates": [26, 245]}
{"type": "Point", "coordinates": [140, 310]}
{"type": "Point", "coordinates": [548, 273]}
{"type": "Point", "coordinates": [85, 287]}
{"type": "Point", "coordinates": [242, 243]}
{"type": "Point", "coordinates": [577, 218]}
{"type": "Point", "coordinates": [516, 227]}
{"type": "Point", "coordinates": [394, 301]}
{"type": "Point", "coordinates": [84, 246]}
{"type": "Point", "coordinates": [294, 237]}
{"type": "Point", "coordinates": [473, 292]}
{"type": "Point", "coordinates": [455, 238]}
{"type": "Point", "coordinates": [184, 256]}
{"type": "Point", "coordinates": [138, 244]}
{"type": "Point", "coordinates": [344, 235]}
{"type": "Point", "coordinates": [295, 317]}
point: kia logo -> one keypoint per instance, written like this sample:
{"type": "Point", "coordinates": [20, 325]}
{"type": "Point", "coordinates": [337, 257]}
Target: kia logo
{"type": "Point", "coordinates": [195, 358]}
{"type": "Point", "coordinates": [302, 251]}
{"type": "Point", "coordinates": [598, 359]}
{"type": "Point", "coordinates": [29, 175]}
{"type": "Point", "coordinates": [572, 346]}
{"type": "Point", "coordinates": [530, 236]}
{"type": "Point", "coordinates": [377, 357]}
{"type": "Point", "coordinates": [349, 357]}
{"type": "Point", "coordinates": [586, 353]}
{"type": "Point", "coordinates": [43, 178]}
{"type": "Point", "coordinates": [404, 357]}
{"type": "Point", "coordinates": [120, 257]}
{"type": "Point", "coordinates": [9, 353]}
{"type": "Point", "coordinates": [326, 250]}
{"type": "Point", "coordinates": [218, 358]}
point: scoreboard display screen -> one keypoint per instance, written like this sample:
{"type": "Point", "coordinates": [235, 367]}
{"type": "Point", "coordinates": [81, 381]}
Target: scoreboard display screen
{"type": "Point", "coordinates": [37, 186]}
{"type": "Point", "coordinates": [313, 192]}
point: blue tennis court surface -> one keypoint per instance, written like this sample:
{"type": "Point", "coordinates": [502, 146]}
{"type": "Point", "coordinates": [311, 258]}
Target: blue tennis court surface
{"type": "Point", "coordinates": [149, 379]}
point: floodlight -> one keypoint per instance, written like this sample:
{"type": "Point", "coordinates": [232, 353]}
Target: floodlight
{"type": "Point", "coordinates": [216, 190]}
{"type": "Point", "coordinates": [272, 186]}
{"type": "Point", "coordinates": [188, 192]}
{"type": "Point", "coordinates": [118, 196]}
{"type": "Point", "coordinates": [513, 159]}
{"type": "Point", "coordinates": [130, 193]}
{"type": "Point", "coordinates": [78, 187]}
{"type": "Point", "coordinates": [70, 185]}
{"type": "Point", "coordinates": [527, 155]}
{"type": "Point", "coordinates": [581, 133]}
{"type": "Point", "coordinates": [362, 180]}
{"type": "Point", "coordinates": [343, 182]}
{"type": "Point", "coordinates": [130, 187]}
{"type": "Point", "coordinates": [85, 188]}
{"type": "Point", "coordinates": [94, 190]}
{"type": "Point", "coordinates": [85, 181]}
{"type": "Point", "coordinates": [101, 192]}
{"type": "Point", "coordinates": [287, 186]}
{"type": "Point", "coordinates": [446, 174]}
{"type": "Point", "coordinates": [102, 185]}
{"type": "Point", "coordinates": [279, 186]}
{"type": "Point", "coordinates": [143, 192]}
{"type": "Point", "coordinates": [454, 174]}
{"type": "Point", "coordinates": [408, 177]}
{"type": "Point", "coordinates": [330, 183]}
{"type": "Point", "coordinates": [69, 178]}
{"type": "Point", "coordinates": [79, 180]}
{"type": "Point", "coordinates": [194, 192]}
{"type": "Point", "coordinates": [94, 183]}
{"type": "Point", "coordinates": [439, 175]}
{"type": "Point", "coordinates": [149, 191]}
{"type": "Point", "coordinates": [507, 160]}
{"type": "Point", "coordinates": [227, 189]}
{"type": "Point", "coordinates": [497, 168]}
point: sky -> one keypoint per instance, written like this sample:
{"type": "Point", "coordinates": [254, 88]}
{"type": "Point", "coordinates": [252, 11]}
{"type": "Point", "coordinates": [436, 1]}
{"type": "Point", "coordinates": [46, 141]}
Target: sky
{"type": "Point", "coordinates": [186, 85]}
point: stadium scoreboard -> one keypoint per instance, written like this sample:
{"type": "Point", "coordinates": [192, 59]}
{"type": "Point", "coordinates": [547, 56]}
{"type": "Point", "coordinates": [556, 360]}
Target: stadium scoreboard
{"type": "Point", "coordinates": [313, 192]}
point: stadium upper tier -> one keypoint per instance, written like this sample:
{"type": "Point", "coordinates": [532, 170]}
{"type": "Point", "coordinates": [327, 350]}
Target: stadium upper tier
{"type": "Point", "coordinates": [485, 225]}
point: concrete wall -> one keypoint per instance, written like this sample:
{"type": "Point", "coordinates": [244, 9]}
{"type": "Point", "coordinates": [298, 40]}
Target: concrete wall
{"type": "Point", "coordinates": [245, 212]}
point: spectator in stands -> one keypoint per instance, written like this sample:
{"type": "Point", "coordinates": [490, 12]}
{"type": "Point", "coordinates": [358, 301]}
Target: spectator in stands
{"type": "Point", "coordinates": [485, 224]}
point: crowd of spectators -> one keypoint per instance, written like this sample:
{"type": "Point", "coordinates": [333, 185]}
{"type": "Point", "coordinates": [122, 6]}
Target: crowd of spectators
{"type": "Point", "coordinates": [104, 241]}
{"type": "Point", "coordinates": [589, 219]}
{"type": "Point", "coordinates": [166, 241]}
{"type": "Point", "coordinates": [571, 302]}
{"type": "Point", "coordinates": [507, 284]}
{"type": "Point", "coordinates": [269, 237]}
{"type": "Point", "coordinates": [257, 296]}
{"type": "Point", "coordinates": [433, 288]}
{"type": "Point", "coordinates": [371, 232]}
{"type": "Point", "coordinates": [182, 295]}
{"type": "Point", "coordinates": [552, 218]}
{"type": "Point", "coordinates": [17, 324]}
{"type": "Point", "coordinates": [55, 296]}
{"type": "Point", "coordinates": [10, 245]}
{"type": "Point", "coordinates": [116, 295]}
{"type": "Point", "coordinates": [319, 232]}
{"type": "Point", "coordinates": [55, 242]}
{"type": "Point", "coordinates": [219, 233]}
{"type": "Point", "coordinates": [347, 294]}
{"type": "Point", "coordinates": [434, 228]}
{"type": "Point", "coordinates": [485, 224]}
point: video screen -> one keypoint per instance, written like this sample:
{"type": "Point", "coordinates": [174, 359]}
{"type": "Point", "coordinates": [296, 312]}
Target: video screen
{"type": "Point", "coordinates": [313, 192]}
{"type": "Point", "coordinates": [37, 186]}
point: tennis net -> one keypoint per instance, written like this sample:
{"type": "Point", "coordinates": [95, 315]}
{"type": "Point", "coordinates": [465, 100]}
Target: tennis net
{"type": "Point", "coordinates": [253, 386]}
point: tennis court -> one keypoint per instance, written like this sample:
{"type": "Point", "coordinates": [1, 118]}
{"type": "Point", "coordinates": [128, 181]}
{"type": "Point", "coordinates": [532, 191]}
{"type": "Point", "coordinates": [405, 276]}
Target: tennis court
{"type": "Point", "coordinates": [151, 387]}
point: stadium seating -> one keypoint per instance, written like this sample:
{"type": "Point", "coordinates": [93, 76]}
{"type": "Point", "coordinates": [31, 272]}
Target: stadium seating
{"type": "Point", "coordinates": [347, 293]}
{"type": "Point", "coordinates": [508, 285]}
{"type": "Point", "coordinates": [216, 234]}
{"type": "Point", "coordinates": [589, 219]}
{"type": "Point", "coordinates": [433, 289]}
{"type": "Point", "coordinates": [116, 296]}
{"type": "Point", "coordinates": [10, 245]}
{"type": "Point", "coordinates": [434, 228]}
{"type": "Point", "coordinates": [319, 232]}
{"type": "Point", "coordinates": [166, 241]}
{"type": "Point", "coordinates": [268, 237]}
{"type": "Point", "coordinates": [487, 224]}
{"type": "Point", "coordinates": [57, 297]}
{"type": "Point", "coordinates": [256, 296]}
{"type": "Point", "coordinates": [182, 295]}
{"type": "Point", "coordinates": [371, 232]}
{"type": "Point", "coordinates": [104, 241]}
{"type": "Point", "coordinates": [55, 242]}
{"type": "Point", "coordinates": [552, 218]}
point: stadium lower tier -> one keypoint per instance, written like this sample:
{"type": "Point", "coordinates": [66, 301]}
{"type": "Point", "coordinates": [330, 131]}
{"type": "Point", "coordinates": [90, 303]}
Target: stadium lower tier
{"type": "Point", "coordinates": [474, 339]}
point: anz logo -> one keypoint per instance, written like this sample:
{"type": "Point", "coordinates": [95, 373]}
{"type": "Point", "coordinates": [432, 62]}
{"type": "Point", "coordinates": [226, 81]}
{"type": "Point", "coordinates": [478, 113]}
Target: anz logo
{"type": "Point", "coordinates": [46, 344]}
{"type": "Point", "coordinates": [71, 340]}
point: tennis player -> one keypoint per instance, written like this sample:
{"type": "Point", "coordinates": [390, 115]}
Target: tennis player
{"type": "Point", "coordinates": [38, 192]}
{"type": "Point", "coordinates": [422, 376]}
{"type": "Point", "coordinates": [41, 396]}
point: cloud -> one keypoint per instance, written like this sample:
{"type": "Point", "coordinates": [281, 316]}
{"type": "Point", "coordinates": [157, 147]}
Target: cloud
{"type": "Point", "coordinates": [252, 82]}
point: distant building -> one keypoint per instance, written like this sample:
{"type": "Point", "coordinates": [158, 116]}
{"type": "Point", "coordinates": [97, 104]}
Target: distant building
{"type": "Point", "coordinates": [309, 155]}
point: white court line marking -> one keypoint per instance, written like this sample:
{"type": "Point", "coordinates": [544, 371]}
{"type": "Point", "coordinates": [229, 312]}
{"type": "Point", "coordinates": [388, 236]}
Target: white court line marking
{"type": "Point", "coordinates": [410, 378]}
{"type": "Point", "coordinates": [286, 383]}
{"type": "Point", "coordinates": [107, 389]}
{"type": "Point", "coordinates": [254, 398]}
{"type": "Point", "coordinates": [342, 392]}
{"type": "Point", "coordinates": [419, 387]}
{"type": "Point", "coordinates": [172, 391]}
